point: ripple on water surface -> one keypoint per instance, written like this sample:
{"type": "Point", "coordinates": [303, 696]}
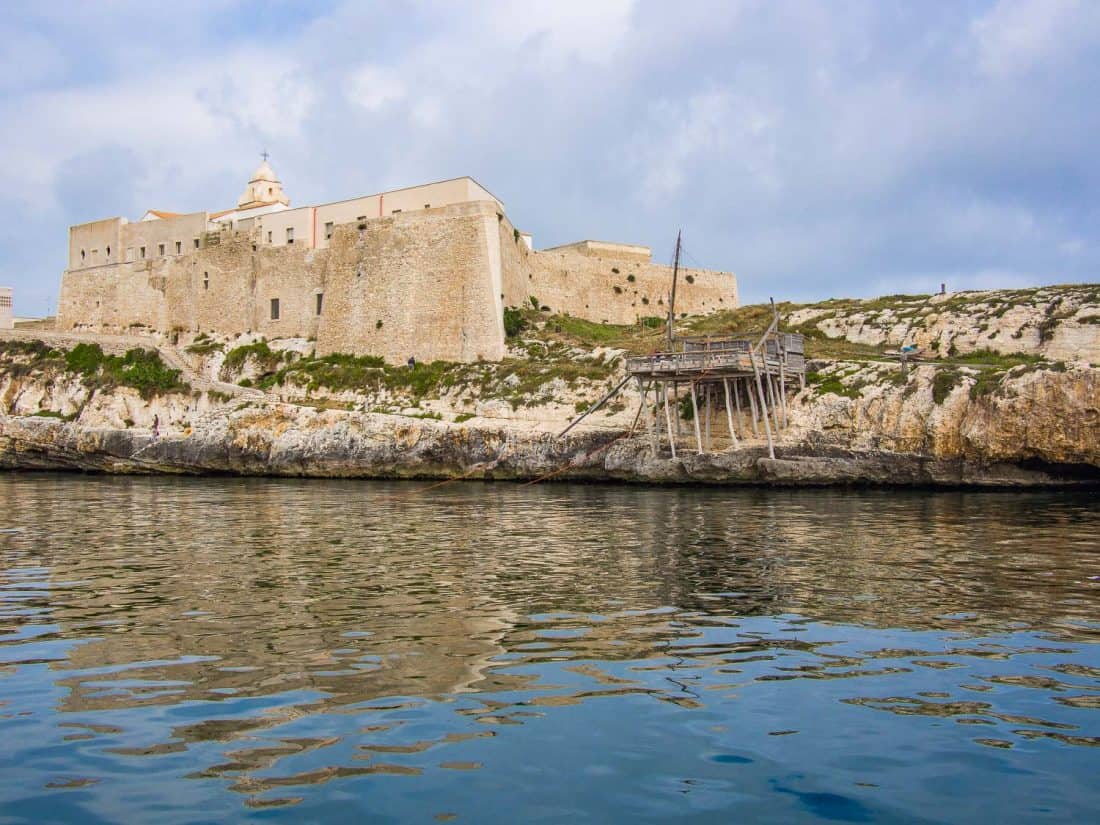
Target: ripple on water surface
{"type": "Point", "coordinates": [217, 649]}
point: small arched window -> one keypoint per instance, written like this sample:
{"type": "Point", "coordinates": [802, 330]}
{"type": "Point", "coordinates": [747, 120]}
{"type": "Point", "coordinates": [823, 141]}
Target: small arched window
{"type": "Point", "coordinates": [82, 254]}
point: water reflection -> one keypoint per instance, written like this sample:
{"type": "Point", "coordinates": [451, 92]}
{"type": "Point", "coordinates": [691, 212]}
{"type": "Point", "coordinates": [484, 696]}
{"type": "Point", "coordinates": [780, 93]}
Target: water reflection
{"type": "Point", "coordinates": [273, 637]}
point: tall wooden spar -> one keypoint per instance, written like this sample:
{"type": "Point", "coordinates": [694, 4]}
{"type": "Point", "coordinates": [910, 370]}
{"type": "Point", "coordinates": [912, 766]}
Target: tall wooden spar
{"type": "Point", "coordinates": [719, 371]}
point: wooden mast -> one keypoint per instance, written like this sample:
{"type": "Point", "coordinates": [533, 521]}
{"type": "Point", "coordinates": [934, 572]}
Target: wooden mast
{"type": "Point", "coordinates": [672, 296]}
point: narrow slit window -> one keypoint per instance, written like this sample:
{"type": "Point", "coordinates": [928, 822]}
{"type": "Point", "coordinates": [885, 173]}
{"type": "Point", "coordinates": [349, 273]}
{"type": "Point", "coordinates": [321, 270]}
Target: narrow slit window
{"type": "Point", "coordinates": [160, 249]}
{"type": "Point", "coordinates": [196, 241]}
{"type": "Point", "coordinates": [269, 236]}
{"type": "Point", "coordinates": [290, 234]}
{"type": "Point", "coordinates": [320, 301]}
{"type": "Point", "coordinates": [328, 231]}
{"type": "Point", "coordinates": [274, 309]}
{"type": "Point", "coordinates": [179, 247]}
{"type": "Point", "coordinates": [206, 280]}
{"type": "Point", "coordinates": [141, 252]}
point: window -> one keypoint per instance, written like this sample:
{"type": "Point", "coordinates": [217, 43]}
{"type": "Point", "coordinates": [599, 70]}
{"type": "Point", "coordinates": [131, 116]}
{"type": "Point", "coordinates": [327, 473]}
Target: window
{"type": "Point", "coordinates": [274, 309]}
{"type": "Point", "coordinates": [108, 251]}
{"type": "Point", "coordinates": [269, 236]}
{"type": "Point", "coordinates": [196, 243]}
{"type": "Point", "coordinates": [328, 231]}
{"type": "Point", "coordinates": [160, 249]}
{"type": "Point", "coordinates": [141, 252]}
{"type": "Point", "coordinates": [320, 301]}
{"type": "Point", "coordinates": [427, 206]}
{"type": "Point", "coordinates": [206, 280]}
{"type": "Point", "coordinates": [290, 234]}
{"type": "Point", "coordinates": [394, 211]}
{"type": "Point", "coordinates": [179, 247]}
{"type": "Point", "coordinates": [270, 190]}
{"type": "Point", "coordinates": [83, 255]}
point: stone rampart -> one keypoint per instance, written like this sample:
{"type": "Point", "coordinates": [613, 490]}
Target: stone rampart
{"type": "Point", "coordinates": [598, 282]}
{"type": "Point", "coordinates": [430, 284]}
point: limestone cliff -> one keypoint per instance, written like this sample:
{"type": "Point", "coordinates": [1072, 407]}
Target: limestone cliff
{"type": "Point", "coordinates": [982, 419]}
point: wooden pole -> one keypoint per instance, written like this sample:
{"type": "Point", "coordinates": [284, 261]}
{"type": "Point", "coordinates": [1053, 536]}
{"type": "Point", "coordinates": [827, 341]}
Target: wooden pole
{"type": "Point", "coordinates": [752, 404]}
{"type": "Point", "coordinates": [769, 382]}
{"type": "Point", "coordinates": [737, 401]}
{"type": "Point", "coordinates": [650, 414]}
{"type": "Point", "coordinates": [695, 417]}
{"type": "Point", "coordinates": [729, 410]}
{"type": "Point", "coordinates": [763, 408]}
{"type": "Point", "coordinates": [675, 406]}
{"type": "Point", "coordinates": [707, 401]}
{"type": "Point", "coordinates": [783, 387]}
{"type": "Point", "coordinates": [668, 421]}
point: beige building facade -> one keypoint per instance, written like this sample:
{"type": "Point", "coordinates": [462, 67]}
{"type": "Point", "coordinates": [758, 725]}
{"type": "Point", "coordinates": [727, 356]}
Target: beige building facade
{"type": "Point", "coordinates": [424, 271]}
{"type": "Point", "coordinates": [7, 319]}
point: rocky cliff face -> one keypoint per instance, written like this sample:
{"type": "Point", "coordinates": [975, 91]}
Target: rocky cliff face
{"type": "Point", "coordinates": [1045, 430]}
{"type": "Point", "coordinates": [1024, 420]}
{"type": "Point", "coordinates": [1059, 323]}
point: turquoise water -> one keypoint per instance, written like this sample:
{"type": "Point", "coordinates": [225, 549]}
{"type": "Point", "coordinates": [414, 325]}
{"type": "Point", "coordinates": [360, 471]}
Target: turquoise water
{"type": "Point", "coordinates": [200, 650]}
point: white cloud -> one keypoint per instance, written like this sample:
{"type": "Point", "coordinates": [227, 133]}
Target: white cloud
{"type": "Point", "coordinates": [373, 87]}
{"type": "Point", "coordinates": [1016, 35]}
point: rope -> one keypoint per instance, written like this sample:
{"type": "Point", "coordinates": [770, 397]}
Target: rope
{"type": "Point", "coordinates": [570, 464]}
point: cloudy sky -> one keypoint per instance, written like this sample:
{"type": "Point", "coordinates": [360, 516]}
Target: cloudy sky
{"type": "Point", "coordinates": [816, 149]}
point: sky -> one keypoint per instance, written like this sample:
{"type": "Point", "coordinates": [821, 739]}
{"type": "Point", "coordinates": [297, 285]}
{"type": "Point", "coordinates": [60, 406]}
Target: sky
{"type": "Point", "coordinates": [815, 149]}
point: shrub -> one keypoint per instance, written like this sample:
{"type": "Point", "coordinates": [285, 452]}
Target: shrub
{"type": "Point", "coordinates": [514, 322]}
{"type": "Point", "coordinates": [85, 359]}
{"type": "Point", "coordinates": [942, 384]}
{"type": "Point", "coordinates": [631, 278]}
{"type": "Point", "coordinates": [618, 290]}
{"type": "Point", "coordinates": [534, 302]}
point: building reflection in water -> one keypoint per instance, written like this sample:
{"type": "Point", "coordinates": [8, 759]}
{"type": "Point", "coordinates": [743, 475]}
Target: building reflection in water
{"type": "Point", "coordinates": [349, 592]}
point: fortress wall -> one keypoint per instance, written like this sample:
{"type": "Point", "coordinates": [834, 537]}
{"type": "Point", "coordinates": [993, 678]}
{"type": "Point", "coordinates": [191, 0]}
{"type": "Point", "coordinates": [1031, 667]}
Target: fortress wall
{"type": "Point", "coordinates": [583, 284]}
{"type": "Point", "coordinates": [415, 284]}
{"type": "Point", "coordinates": [295, 276]}
{"type": "Point", "coordinates": [94, 238]}
{"type": "Point", "coordinates": [184, 229]}
{"type": "Point", "coordinates": [112, 298]}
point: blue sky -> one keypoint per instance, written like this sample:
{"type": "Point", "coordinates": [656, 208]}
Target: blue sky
{"type": "Point", "coordinates": [816, 149]}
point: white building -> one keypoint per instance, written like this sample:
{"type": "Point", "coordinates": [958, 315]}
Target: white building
{"type": "Point", "coordinates": [6, 319]}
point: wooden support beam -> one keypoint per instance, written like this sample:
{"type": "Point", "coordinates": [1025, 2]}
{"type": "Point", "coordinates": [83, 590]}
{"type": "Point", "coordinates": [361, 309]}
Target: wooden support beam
{"type": "Point", "coordinates": [668, 421]}
{"type": "Point", "coordinates": [695, 418]}
{"type": "Point", "coordinates": [783, 389]}
{"type": "Point", "coordinates": [763, 408]}
{"type": "Point", "coordinates": [769, 380]}
{"type": "Point", "coordinates": [737, 401]}
{"type": "Point", "coordinates": [707, 400]}
{"type": "Point", "coordinates": [650, 414]}
{"type": "Point", "coordinates": [752, 403]}
{"type": "Point", "coordinates": [729, 410]}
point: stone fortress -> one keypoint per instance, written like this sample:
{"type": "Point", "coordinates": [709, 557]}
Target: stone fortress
{"type": "Point", "coordinates": [424, 271]}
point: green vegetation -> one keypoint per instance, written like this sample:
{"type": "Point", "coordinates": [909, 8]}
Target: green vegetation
{"type": "Point", "coordinates": [463, 417]}
{"type": "Point", "coordinates": [57, 415]}
{"type": "Point", "coordinates": [514, 322]}
{"type": "Point", "coordinates": [832, 384]}
{"type": "Point", "coordinates": [203, 345]}
{"type": "Point", "coordinates": [140, 369]}
{"type": "Point", "coordinates": [944, 381]}
{"type": "Point", "coordinates": [266, 359]}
